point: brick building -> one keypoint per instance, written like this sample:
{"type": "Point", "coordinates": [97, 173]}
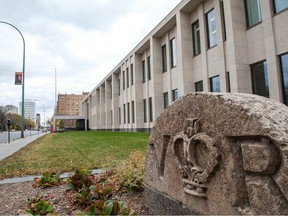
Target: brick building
{"type": "Point", "coordinates": [69, 105]}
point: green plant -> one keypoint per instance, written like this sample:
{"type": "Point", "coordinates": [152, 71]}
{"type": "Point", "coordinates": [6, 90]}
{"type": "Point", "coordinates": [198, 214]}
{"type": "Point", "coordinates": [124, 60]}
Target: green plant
{"type": "Point", "coordinates": [129, 173]}
{"type": "Point", "coordinates": [81, 179]}
{"type": "Point", "coordinates": [47, 180]}
{"type": "Point", "coordinates": [39, 206]}
{"type": "Point", "coordinates": [108, 207]}
{"type": "Point", "coordinates": [87, 195]}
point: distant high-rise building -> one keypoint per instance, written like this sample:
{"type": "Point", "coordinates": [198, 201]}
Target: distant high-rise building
{"type": "Point", "coordinates": [69, 105]}
{"type": "Point", "coordinates": [29, 109]}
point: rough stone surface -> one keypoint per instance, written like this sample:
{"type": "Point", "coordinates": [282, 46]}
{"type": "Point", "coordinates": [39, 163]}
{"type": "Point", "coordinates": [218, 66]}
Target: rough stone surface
{"type": "Point", "coordinates": [219, 154]}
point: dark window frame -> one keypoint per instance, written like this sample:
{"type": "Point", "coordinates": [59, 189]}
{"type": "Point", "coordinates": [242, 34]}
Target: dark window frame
{"type": "Point", "coordinates": [150, 109]}
{"type": "Point", "coordinates": [123, 77]}
{"type": "Point", "coordinates": [255, 85]}
{"type": "Point", "coordinates": [145, 110]}
{"type": "Point", "coordinates": [212, 83]}
{"type": "Point", "coordinates": [174, 96]}
{"type": "Point", "coordinates": [166, 99]}
{"type": "Point", "coordinates": [128, 113]}
{"type": "Point", "coordinates": [196, 40]}
{"type": "Point", "coordinates": [197, 85]}
{"type": "Point", "coordinates": [173, 52]}
{"type": "Point", "coordinates": [164, 58]}
{"type": "Point", "coordinates": [149, 67]}
{"type": "Point", "coordinates": [143, 71]}
{"type": "Point", "coordinates": [127, 76]}
{"type": "Point", "coordinates": [222, 11]}
{"type": "Point", "coordinates": [285, 95]}
{"type": "Point", "coordinates": [124, 114]}
{"type": "Point", "coordinates": [247, 15]}
{"type": "Point", "coordinates": [133, 111]}
{"type": "Point", "coordinates": [132, 74]}
{"type": "Point", "coordinates": [278, 11]}
{"type": "Point", "coordinates": [209, 43]}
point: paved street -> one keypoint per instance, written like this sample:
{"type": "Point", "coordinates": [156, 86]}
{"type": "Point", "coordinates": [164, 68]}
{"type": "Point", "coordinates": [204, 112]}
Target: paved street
{"type": "Point", "coordinates": [16, 135]}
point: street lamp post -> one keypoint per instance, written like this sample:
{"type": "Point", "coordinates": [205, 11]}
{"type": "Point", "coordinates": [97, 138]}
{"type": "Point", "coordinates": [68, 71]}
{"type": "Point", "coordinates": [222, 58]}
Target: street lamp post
{"type": "Point", "coordinates": [23, 78]}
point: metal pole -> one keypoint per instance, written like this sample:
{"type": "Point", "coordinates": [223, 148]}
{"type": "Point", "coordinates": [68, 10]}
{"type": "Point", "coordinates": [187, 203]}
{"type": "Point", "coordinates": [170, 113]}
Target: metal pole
{"type": "Point", "coordinates": [23, 78]}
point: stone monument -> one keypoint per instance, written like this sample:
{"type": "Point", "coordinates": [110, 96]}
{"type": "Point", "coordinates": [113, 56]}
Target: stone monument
{"type": "Point", "coordinates": [212, 153]}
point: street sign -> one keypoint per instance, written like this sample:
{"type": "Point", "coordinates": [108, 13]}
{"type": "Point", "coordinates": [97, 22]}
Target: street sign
{"type": "Point", "coordinates": [18, 78]}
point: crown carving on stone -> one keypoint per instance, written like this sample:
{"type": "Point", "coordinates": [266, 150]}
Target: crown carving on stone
{"type": "Point", "coordinates": [195, 174]}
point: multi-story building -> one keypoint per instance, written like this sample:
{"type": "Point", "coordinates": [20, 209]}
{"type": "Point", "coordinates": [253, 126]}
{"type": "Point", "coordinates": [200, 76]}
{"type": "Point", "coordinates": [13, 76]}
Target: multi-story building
{"type": "Point", "coordinates": [29, 109]}
{"type": "Point", "coordinates": [70, 105]}
{"type": "Point", "coordinates": [202, 45]}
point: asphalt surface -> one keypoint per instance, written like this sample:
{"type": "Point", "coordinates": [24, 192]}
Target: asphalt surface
{"type": "Point", "coordinates": [14, 135]}
{"type": "Point", "coordinates": [7, 149]}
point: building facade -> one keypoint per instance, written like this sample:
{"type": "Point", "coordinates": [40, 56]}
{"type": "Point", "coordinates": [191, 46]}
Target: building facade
{"type": "Point", "coordinates": [70, 105]}
{"type": "Point", "coordinates": [29, 109]}
{"type": "Point", "coordinates": [202, 45]}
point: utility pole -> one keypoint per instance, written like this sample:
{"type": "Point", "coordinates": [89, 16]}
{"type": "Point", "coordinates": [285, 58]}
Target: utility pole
{"type": "Point", "coordinates": [23, 78]}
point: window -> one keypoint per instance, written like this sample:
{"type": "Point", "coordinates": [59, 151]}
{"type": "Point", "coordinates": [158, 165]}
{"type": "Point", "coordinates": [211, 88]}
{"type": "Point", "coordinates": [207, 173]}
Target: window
{"type": "Point", "coordinates": [132, 74]}
{"type": "Point", "coordinates": [166, 99]}
{"type": "Point", "coordinates": [149, 67]}
{"type": "Point", "coordinates": [133, 112]}
{"type": "Point", "coordinates": [253, 12]}
{"type": "Point", "coordinates": [284, 71]}
{"type": "Point", "coordinates": [164, 59]}
{"type": "Point", "coordinates": [127, 76]}
{"type": "Point", "coordinates": [143, 71]}
{"type": "Point", "coordinates": [145, 110]}
{"type": "Point", "coordinates": [119, 86]}
{"type": "Point", "coordinates": [128, 112]}
{"type": "Point", "coordinates": [215, 84]}
{"type": "Point", "coordinates": [123, 80]}
{"type": "Point", "coordinates": [199, 86]}
{"type": "Point", "coordinates": [173, 52]}
{"type": "Point", "coordinates": [196, 38]}
{"type": "Point", "coordinates": [174, 94]}
{"type": "Point", "coordinates": [228, 87]}
{"type": "Point", "coordinates": [280, 5]}
{"type": "Point", "coordinates": [124, 113]}
{"type": "Point", "coordinates": [211, 28]}
{"type": "Point", "coordinates": [119, 110]}
{"type": "Point", "coordinates": [223, 19]}
{"type": "Point", "coordinates": [260, 79]}
{"type": "Point", "coordinates": [150, 110]}
{"type": "Point", "coordinates": [111, 114]}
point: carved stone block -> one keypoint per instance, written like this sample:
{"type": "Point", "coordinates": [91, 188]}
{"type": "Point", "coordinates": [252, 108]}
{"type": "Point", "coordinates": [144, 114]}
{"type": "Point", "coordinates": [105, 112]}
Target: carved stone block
{"type": "Point", "coordinates": [219, 154]}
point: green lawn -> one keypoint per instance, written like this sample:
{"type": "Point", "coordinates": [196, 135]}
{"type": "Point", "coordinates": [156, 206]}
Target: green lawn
{"type": "Point", "coordinates": [61, 152]}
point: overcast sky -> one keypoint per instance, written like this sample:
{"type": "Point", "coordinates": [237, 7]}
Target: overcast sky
{"type": "Point", "coordinates": [83, 40]}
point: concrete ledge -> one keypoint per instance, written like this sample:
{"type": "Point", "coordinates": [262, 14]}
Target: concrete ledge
{"type": "Point", "coordinates": [158, 203]}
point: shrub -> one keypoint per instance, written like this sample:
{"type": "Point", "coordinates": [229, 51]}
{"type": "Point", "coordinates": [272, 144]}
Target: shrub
{"type": "Point", "coordinates": [129, 173]}
{"type": "Point", "coordinates": [47, 180]}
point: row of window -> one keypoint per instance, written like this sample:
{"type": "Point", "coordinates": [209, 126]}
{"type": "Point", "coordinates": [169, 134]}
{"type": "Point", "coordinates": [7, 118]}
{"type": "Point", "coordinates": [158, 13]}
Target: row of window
{"type": "Point", "coordinates": [173, 55]}
{"type": "Point", "coordinates": [260, 81]}
{"type": "Point", "coordinates": [260, 86]}
{"type": "Point", "coordinates": [253, 10]}
{"type": "Point", "coordinates": [72, 98]}
{"type": "Point", "coordinates": [128, 113]}
{"type": "Point", "coordinates": [127, 77]}
{"type": "Point", "coordinates": [175, 96]}
{"type": "Point", "coordinates": [259, 75]}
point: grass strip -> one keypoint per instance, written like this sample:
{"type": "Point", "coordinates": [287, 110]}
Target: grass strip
{"type": "Point", "coordinates": [65, 152]}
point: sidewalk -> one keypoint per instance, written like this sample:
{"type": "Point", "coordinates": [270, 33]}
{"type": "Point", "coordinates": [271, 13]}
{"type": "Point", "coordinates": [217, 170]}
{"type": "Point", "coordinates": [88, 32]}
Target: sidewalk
{"type": "Point", "coordinates": [7, 149]}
